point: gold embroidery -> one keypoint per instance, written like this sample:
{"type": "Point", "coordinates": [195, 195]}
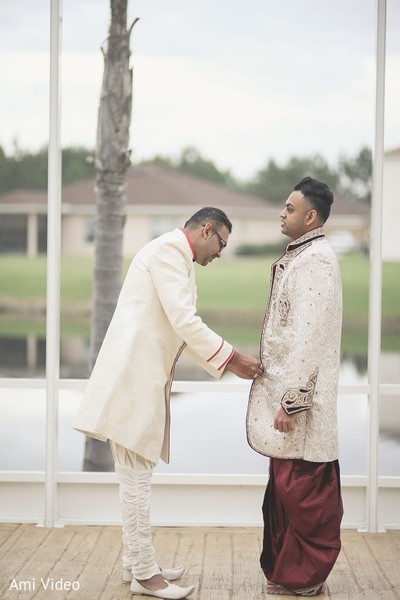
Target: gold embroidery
{"type": "Point", "coordinates": [283, 308]}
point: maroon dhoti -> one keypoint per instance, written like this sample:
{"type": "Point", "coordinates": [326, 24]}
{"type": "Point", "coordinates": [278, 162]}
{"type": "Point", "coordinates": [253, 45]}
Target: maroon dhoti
{"type": "Point", "coordinates": [302, 512]}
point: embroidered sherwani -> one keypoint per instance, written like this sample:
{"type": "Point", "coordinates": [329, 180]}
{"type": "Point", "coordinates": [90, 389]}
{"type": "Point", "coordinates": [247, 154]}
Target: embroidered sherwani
{"type": "Point", "coordinates": [300, 351]}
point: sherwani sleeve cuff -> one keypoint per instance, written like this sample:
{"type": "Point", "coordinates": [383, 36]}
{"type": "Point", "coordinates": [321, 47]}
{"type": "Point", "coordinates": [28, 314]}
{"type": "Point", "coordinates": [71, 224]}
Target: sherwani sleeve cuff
{"type": "Point", "coordinates": [222, 356]}
{"type": "Point", "coordinates": [296, 400]}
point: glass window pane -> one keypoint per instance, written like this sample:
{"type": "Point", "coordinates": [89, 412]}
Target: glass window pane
{"type": "Point", "coordinates": [22, 429]}
{"type": "Point", "coordinates": [24, 80]}
{"type": "Point", "coordinates": [24, 77]}
{"type": "Point", "coordinates": [389, 436]}
{"type": "Point", "coordinates": [353, 441]}
{"type": "Point", "coordinates": [389, 439]}
{"type": "Point", "coordinates": [71, 443]}
{"type": "Point", "coordinates": [82, 69]}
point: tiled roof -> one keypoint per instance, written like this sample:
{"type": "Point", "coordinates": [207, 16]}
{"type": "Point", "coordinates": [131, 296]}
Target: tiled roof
{"type": "Point", "coordinates": [150, 184]}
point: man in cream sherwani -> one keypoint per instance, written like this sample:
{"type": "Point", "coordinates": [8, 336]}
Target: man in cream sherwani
{"type": "Point", "coordinates": [292, 408]}
{"type": "Point", "coordinates": [127, 400]}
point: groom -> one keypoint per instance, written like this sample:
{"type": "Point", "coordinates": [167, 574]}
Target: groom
{"type": "Point", "coordinates": [292, 408]}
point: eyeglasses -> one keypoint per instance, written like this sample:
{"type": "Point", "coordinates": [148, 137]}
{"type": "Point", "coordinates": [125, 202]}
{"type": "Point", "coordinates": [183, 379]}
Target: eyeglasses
{"type": "Point", "coordinates": [222, 243]}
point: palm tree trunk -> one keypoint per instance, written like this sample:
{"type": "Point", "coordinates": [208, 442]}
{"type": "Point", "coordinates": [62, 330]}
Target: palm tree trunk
{"type": "Point", "coordinates": [112, 161]}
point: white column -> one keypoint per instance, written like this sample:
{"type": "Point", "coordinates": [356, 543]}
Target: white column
{"type": "Point", "coordinates": [53, 266]}
{"type": "Point", "coordinates": [33, 234]}
{"type": "Point", "coordinates": [375, 287]}
{"type": "Point", "coordinates": [31, 351]}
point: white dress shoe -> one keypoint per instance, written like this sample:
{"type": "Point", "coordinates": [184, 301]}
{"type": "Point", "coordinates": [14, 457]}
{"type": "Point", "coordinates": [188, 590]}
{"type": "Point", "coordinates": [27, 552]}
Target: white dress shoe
{"type": "Point", "coordinates": [173, 573]}
{"type": "Point", "coordinates": [126, 576]}
{"type": "Point", "coordinates": [170, 574]}
{"type": "Point", "coordinates": [171, 592]}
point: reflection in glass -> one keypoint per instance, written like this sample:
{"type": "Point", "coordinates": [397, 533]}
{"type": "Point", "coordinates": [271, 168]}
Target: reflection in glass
{"type": "Point", "coordinates": [22, 427]}
{"type": "Point", "coordinates": [389, 435]}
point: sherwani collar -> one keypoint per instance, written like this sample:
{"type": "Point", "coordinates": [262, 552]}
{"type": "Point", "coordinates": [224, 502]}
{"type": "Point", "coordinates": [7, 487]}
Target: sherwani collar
{"type": "Point", "coordinates": [314, 234]}
{"type": "Point", "coordinates": [190, 244]}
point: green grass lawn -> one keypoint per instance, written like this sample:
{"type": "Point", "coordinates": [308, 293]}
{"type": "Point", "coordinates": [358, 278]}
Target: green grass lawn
{"type": "Point", "coordinates": [24, 279]}
{"type": "Point", "coordinates": [244, 284]}
{"type": "Point", "coordinates": [232, 295]}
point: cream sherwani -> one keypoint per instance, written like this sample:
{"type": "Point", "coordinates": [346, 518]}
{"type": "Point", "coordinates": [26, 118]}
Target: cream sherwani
{"type": "Point", "coordinates": [300, 351]}
{"type": "Point", "coordinates": [127, 399]}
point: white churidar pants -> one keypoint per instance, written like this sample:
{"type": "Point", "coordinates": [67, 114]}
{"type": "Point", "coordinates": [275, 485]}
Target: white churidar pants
{"type": "Point", "coordinates": [134, 475]}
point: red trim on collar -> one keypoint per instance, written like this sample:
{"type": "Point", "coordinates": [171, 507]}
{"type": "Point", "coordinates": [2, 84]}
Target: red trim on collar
{"type": "Point", "coordinates": [189, 242]}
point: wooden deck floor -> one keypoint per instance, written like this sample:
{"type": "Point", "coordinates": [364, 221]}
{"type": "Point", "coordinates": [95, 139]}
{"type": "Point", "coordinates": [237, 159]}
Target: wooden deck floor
{"type": "Point", "coordinates": [221, 562]}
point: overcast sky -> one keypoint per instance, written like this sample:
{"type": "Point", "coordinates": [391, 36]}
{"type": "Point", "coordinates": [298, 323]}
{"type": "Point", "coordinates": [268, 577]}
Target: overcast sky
{"type": "Point", "coordinates": [241, 80]}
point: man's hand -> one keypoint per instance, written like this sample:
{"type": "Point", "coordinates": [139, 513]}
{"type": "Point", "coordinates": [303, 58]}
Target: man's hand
{"type": "Point", "coordinates": [245, 366]}
{"type": "Point", "coordinates": [284, 422]}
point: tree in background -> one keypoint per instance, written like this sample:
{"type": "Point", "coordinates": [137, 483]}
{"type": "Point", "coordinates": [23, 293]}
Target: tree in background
{"type": "Point", "coordinates": [351, 177]}
{"type": "Point", "coordinates": [273, 182]}
{"type": "Point", "coordinates": [111, 162]}
{"type": "Point", "coordinates": [77, 164]}
{"type": "Point", "coordinates": [191, 162]}
{"type": "Point", "coordinates": [356, 175]}
{"type": "Point", "coordinates": [28, 170]}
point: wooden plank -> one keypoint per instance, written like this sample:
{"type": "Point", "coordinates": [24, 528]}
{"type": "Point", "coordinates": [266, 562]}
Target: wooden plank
{"type": "Point", "coordinates": [17, 556]}
{"type": "Point", "coordinates": [345, 596]}
{"type": "Point", "coordinates": [341, 582]}
{"type": "Point", "coordinates": [216, 583]}
{"type": "Point", "coordinates": [387, 555]}
{"type": "Point", "coordinates": [35, 572]}
{"type": "Point", "coordinates": [190, 553]}
{"type": "Point", "coordinates": [10, 549]}
{"type": "Point", "coordinates": [381, 595]}
{"type": "Point", "coordinates": [102, 563]}
{"type": "Point", "coordinates": [82, 544]}
{"type": "Point", "coordinates": [366, 570]}
{"type": "Point", "coordinates": [342, 563]}
{"type": "Point", "coordinates": [69, 565]}
{"type": "Point", "coordinates": [6, 530]}
{"type": "Point", "coordinates": [43, 563]}
{"type": "Point", "coordinates": [114, 588]}
{"type": "Point", "coordinates": [165, 541]}
{"type": "Point", "coordinates": [247, 574]}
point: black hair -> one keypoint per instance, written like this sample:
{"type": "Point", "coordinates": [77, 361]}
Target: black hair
{"type": "Point", "coordinates": [318, 195]}
{"type": "Point", "coordinates": [209, 214]}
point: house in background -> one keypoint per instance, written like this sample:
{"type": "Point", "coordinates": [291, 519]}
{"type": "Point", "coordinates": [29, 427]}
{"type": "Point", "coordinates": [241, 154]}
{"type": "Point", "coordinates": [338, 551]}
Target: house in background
{"type": "Point", "coordinates": [159, 199]}
{"type": "Point", "coordinates": [23, 222]}
{"type": "Point", "coordinates": [391, 206]}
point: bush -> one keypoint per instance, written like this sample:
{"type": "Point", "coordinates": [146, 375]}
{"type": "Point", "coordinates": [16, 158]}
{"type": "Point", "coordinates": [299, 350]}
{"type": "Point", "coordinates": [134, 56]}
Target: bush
{"type": "Point", "coordinates": [261, 249]}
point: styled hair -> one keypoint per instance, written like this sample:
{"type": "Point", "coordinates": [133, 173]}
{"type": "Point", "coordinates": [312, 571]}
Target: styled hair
{"type": "Point", "coordinates": [318, 195]}
{"type": "Point", "coordinates": [209, 214]}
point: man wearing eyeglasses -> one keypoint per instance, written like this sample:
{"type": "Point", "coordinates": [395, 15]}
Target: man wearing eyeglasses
{"type": "Point", "coordinates": [127, 400]}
